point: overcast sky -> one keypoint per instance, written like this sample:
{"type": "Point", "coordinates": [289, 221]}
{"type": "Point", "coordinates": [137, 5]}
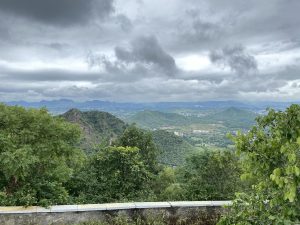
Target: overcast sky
{"type": "Point", "coordinates": [150, 50]}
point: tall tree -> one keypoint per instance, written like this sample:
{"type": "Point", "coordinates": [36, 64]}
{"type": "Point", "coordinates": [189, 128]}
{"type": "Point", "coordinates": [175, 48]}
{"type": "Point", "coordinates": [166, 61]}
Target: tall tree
{"type": "Point", "coordinates": [210, 175]}
{"type": "Point", "coordinates": [37, 156]}
{"type": "Point", "coordinates": [135, 137]}
{"type": "Point", "coordinates": [271, 159]}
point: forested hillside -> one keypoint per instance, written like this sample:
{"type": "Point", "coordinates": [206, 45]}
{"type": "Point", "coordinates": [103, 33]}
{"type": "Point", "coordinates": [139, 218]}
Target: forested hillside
{"type": "Point", "coordinates": [156, 119]}
{"type": "Point", "coordinates": [232, 118]}
{"type": "Point", "coordinates": [98, 127]}
{"type": "Point", "coordinates": [173, 149]}
{"type": "Point", "coordinates": [104, 128]}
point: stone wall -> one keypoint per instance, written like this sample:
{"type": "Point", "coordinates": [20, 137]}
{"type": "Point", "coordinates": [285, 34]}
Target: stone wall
{"type": "Point", "coordinates": [196, 212]}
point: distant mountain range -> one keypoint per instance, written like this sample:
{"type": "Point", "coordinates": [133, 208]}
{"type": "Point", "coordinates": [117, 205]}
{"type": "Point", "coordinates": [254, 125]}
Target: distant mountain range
{"type": "Point", "coordinates": [63, 105]}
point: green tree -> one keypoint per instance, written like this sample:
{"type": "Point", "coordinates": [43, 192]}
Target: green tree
{"type": "Point", "coordinates": [114, 174]}
{"type": "Point", "coordinates": [166, 186]}
{"type": "Point", "coordinates": [37, 156]}
{"type": "Point", "coordinates": [271, 160]}
{"type": "Point", "coordinates": [210, 175]}
{"type": "Point", "coordinates": [135, 137]}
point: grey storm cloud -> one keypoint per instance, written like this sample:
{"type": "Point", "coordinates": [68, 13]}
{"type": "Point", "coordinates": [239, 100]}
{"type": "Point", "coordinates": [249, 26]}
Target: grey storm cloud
{"type": "Point", "coordinates": [140, 51]}
{"type": "Point", "coordinates": [205, 30]}
{"type": "Point", "coordinates": [236, 58]}
{"type": "Point", "coordinates": [124, 22]}
{"type": "Point", "coordinates": [144, 58]}
{"type": "Point", "coordinates": [60, 12]}
{"type": "Point", "coordinates": [146, 49]}
{"type": "Point", "coordinates": [45, 75]}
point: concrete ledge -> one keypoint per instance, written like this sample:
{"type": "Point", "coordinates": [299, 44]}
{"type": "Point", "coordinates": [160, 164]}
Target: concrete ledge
{"type": "Point", "coordinates": [191, 204]}
{"type": "Point", "coordinates": [152, 205]}
{"type": "Point", "coordinates": [64, 208]}
{"type": "Point", "coordinates": [92, 207]}
{"type": "Point", "coordinates": [110, 206]}
{"type": "Point", "coordinates": [17, 209]}
{"type": "Point", "coordinates": [176, 213]}
{"type": "Point", "coordinates": [120, 206]}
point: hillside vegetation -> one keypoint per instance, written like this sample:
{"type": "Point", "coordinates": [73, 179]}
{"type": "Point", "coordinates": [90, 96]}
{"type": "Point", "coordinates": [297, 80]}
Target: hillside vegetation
{"type": "Point", "coordinates": [104, 128]}
{"type": "Point", "coordinates": [97, 127]}
{"type": "Point", "coordinates": [155, 119]}
{"type": "Point", "coordinates": [232, 118]}
{"type": "Point", "coordinates": [41, 164]}
{"type": "Point", "coordinates": [174, 149]}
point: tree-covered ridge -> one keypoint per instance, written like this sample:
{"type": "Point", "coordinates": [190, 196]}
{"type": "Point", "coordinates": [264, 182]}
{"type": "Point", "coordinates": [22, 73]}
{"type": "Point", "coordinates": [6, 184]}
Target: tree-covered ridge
{"type": "Point", "coordinates": [97, 127]}
{"type": "Point", "coordinates": [229, 117]}
{"type": "Point", "coordinates": [173, 149]}
{"type": "Point", "coordinates": [104, 127]}
{"type": "Point", "coordinates": [201, 128]}
{"type": "Point", "coordinates": [156, 119]}
{"type": "Point", "coordinates": [232, 117]}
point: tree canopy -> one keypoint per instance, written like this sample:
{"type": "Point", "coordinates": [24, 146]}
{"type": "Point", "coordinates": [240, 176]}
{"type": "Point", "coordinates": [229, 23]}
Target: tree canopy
{"type": "Point", "coordinates": [135, 137]}
{"type": "Point", "coordinates": [113, 174]}
{"type": "Point", "coordinates": [37, 156]}
{"type": "Point", "coordinates": [211, 175]}
{"type": "Point", "coordinates": [271, 159]}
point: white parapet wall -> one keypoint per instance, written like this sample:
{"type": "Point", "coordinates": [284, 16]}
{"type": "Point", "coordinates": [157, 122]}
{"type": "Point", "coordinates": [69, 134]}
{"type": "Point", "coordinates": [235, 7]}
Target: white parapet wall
{"type": "Point", "coordinates": [76, 214]}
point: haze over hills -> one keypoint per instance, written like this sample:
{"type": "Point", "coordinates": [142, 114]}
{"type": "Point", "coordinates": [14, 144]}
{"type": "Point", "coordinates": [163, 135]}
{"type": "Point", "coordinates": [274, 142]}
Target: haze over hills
{"type": "Point", "coordinates": [63, 105]}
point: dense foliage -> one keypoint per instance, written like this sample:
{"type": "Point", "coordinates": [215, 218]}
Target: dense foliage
{"type": "Point", "coordinates": [114, 174]}
{"type": "Point", "coordinates": [96, 126]}
{"type": "Point", "coordinates": [37, 156]}
{"type": "Point", "coordinates": [174, 149]}
{"type": "Point", "coordinates": [155, 119]}
{"type": "Point", "coordinates": [206, 175]}
{"type": "Point", "coordinates": [135, 137]}
{"type": "Point", "coordinates": [232, 118]}
{"type": "Point", "coordinates": [40, 164]}
{"type": "Point", "coordinates": [271, 159]}
{"type": "Point", "coordinates": [211, 175]}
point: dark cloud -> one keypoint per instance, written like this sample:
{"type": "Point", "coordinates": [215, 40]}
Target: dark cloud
{"type": "Point", "coordinates": [4, 32]}
{"type": "Point", "coordinates": [116, 70]}
{"type": "Point", "coordinates": [58, 12]}
{"type": "Point", "coordinates": [215, 23]}
{"type": "Point", "coordinates": [18, 75]}
{"type": "Point", "coordinates": [236, 58]}
{"type": "Point", "coordinates": [194, 28]}
{"type": "Point", "coordinates": [124, 22]}
{"type": "Point", "coordinates": [146, 49]}
{"type": "Point", "coordinates": [289, 73]}
{"type": "Point", "coordinates": [144, 58]}
{"type": "Point", "coordinates": [143, 51]}
{"type": "Point", "coordinates": [205, 30]}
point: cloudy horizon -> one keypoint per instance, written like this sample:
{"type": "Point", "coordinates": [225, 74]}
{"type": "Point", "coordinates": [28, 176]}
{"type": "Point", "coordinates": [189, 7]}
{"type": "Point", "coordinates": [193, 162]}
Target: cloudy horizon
{"type": "Point", "coordinates": [150, 50]}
